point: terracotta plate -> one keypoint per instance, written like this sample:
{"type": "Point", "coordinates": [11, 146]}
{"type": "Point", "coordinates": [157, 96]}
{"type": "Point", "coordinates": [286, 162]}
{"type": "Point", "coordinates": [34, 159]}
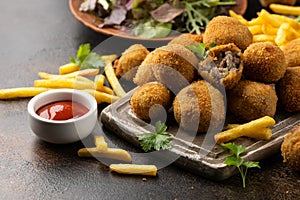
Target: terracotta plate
{"type": "Point", "coordinates": [93, 22]}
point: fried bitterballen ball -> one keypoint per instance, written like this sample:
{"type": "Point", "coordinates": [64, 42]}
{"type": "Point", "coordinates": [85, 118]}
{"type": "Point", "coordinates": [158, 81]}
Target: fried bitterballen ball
{"type": "Point", "coordinates": [264, 62]}
{"type": "Point", "coordinates": [172, 65]}
{"type": "Point", "coordinates": [126, 65]}
{"type": "Point", "coordinates": [199, 106]}
{"type": "Point", "coordinates": [292, 53]}
{"type": "Point", "coordinates": [224, 30]}
{"type": "Point", "coordinates": [187, 39]}
{"type": "Point", "coordinates": [290, 148]}
{"type": "Point", "coordinates": [288, 90]}
{"type": "Point", "coordinates": [151, 100]}
{"type": "Point", "coordinates": [223, 65]}
{"type": "Point", "coordinates": [250, 100]}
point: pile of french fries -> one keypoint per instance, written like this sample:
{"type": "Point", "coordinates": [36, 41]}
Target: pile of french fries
{"type": "Point", "coordinates": [273, 28]}
{"type": "Point", "coordinates": [70, 76]}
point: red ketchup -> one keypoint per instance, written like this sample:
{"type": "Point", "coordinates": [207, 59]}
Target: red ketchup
{"type": "Point", "coordinates": [62, 110]}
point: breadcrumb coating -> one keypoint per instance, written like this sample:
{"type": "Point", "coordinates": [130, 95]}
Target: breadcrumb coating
{"type": "Point", "coordinates": [292, 53]}
{"type": "Point", "coordinates": [224, 30]}
{"type": "Point", "coordinates": [290, 148]}
{"type": "Point", "coordinates": [288, 89]}
{"type": "Point", "coordinates": [264, 62]}
{"type": "Point", "coordinates": [199, 106]}
{"type": "Point", "coordinates": [150, 97]}
{"type": "Point", "coordinates": [250, 100]}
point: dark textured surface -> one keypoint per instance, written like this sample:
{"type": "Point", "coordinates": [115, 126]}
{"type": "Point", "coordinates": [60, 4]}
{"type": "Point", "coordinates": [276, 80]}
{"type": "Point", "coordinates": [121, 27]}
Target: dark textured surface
{"type": "Point", "coordinates": [41, 35]}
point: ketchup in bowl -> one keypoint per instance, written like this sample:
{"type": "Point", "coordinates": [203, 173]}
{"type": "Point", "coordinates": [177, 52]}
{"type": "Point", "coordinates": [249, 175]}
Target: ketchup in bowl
{"type": "Point", "coordinates": [62, 110]}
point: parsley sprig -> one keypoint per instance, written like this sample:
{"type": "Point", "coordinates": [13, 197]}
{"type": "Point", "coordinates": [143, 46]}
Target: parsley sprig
{"type": "Point", "coordinates": [236, 160]}
{"type": "Point", "coordinates": [87, 59]}
{"type": "Point", "coordinates": [158, 140]}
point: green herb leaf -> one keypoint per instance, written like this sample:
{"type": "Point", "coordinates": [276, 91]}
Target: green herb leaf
{"type": "Point", "coordinates": [93, 60]}
{"type": "Point", "coordinates": [83, 51]}
{"type": "Point", "coordinates": [251, 164]}
{"type": "Point", "coordinates": [160, 127]}
{"type": "Point", "coordinates": [199, 49]}
{"type": "Point", "coordinates": [158, 140]}
{"type": "Point", "coordinates": [87, 59]}
{"type": "Point", "coordinates": [236, 160]}
{"type": "Point", "coordinates": [236, 149]}
{"type": "Point", "coordinates": [298, 19]}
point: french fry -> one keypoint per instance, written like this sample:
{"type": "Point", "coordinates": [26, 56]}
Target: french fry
{"type": "Point", "coordinates": [22, 92]}
{"type": "Point", "coordinates": [285, 9]}
{"type": "Point", "coordinates": [285, 34]}
{"type": "Point", "coordinates": [99, 84]}
{"type": "Point", "coordinates": [100, 143]}
{"type": "Point", "coordinates": [267, 18]}
{"type": "Point", "coordinates": [268, 30]}
{"type": "Point", "coordinates": [109, 58]}
{"type": "Point", "coordinates": [255, 29]}
{"type": "Point", "coordinates": [102, 97]}
{"type": "Point", "coordinates": [112, 79]}
{"type": "Point", "coordinates": [54, 76]}
{"type": "Point", "coordinates": [264, 38]}
{"type": "Point", "coordinates": [84, 72]}
{"type": "Point", "coordinates": [256, 21]}
{"type": "Point", "coordinates": [99, 81]}
{"type": "Point", "coordinates": [230, 126]}
{"type": "Point", "coordinates": [148, 170]}
{"type": "Point", "coordinates": [262, 134]}
{"type": "Point", "coordinates": [106, 90]}
{"type": "Point", "coordinates": [249, 129]}
{"type": "Point", "coordinates": [111, 153]}
{"type": "Point", "coordinates": [285, 19]}
{"type": "Point", "coordinates": [63, 83]}
{"type": "Point", "coordinates": [238, 17]}
{"type": "Point", "coordinates": [68, 68]}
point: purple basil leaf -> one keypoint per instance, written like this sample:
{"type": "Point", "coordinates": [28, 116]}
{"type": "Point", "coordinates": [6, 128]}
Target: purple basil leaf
{"type": "Point", "coordinates": [117, 16]}
{"type": "Point", "coordinates": [167, 12]}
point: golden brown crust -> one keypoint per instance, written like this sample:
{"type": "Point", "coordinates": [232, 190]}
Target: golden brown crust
{"type": "Point", "coordinates": [224, 30]}
{"type": "Point", "coordinates": [158, 64]}
{"type": "Point", "coordinates": [193, 107]}
{"type": "Point", "coordinates": [147, 97]}
{"type": "Point", "coordinates": [290, 148]}
{"type": "Point", "coordinates": [292, 53]}
{"type": "Point", "coordinates": [187, 39]}
{"type": "Point", "coordinates": [264, 62]}
{"type": "Point", "coordinates": [250, 100]}
{"type": "Point", "coordinates": [131, 58]}
{"type": "Point", "coordinates": [288, 89]}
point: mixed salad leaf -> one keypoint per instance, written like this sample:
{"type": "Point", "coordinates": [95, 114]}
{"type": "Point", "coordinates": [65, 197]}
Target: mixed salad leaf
{"type": "Point", "coordinates": [156, 18]}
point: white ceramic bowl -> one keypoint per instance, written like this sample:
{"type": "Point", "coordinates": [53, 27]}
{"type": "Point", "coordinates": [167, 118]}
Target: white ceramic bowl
{"type": "Point", "coordinates": [62, 131]}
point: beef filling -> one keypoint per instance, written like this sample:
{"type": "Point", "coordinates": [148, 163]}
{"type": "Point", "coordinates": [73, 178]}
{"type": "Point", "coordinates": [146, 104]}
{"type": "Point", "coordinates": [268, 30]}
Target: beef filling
{"type": "Point", "coordinates": [222, 65]}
